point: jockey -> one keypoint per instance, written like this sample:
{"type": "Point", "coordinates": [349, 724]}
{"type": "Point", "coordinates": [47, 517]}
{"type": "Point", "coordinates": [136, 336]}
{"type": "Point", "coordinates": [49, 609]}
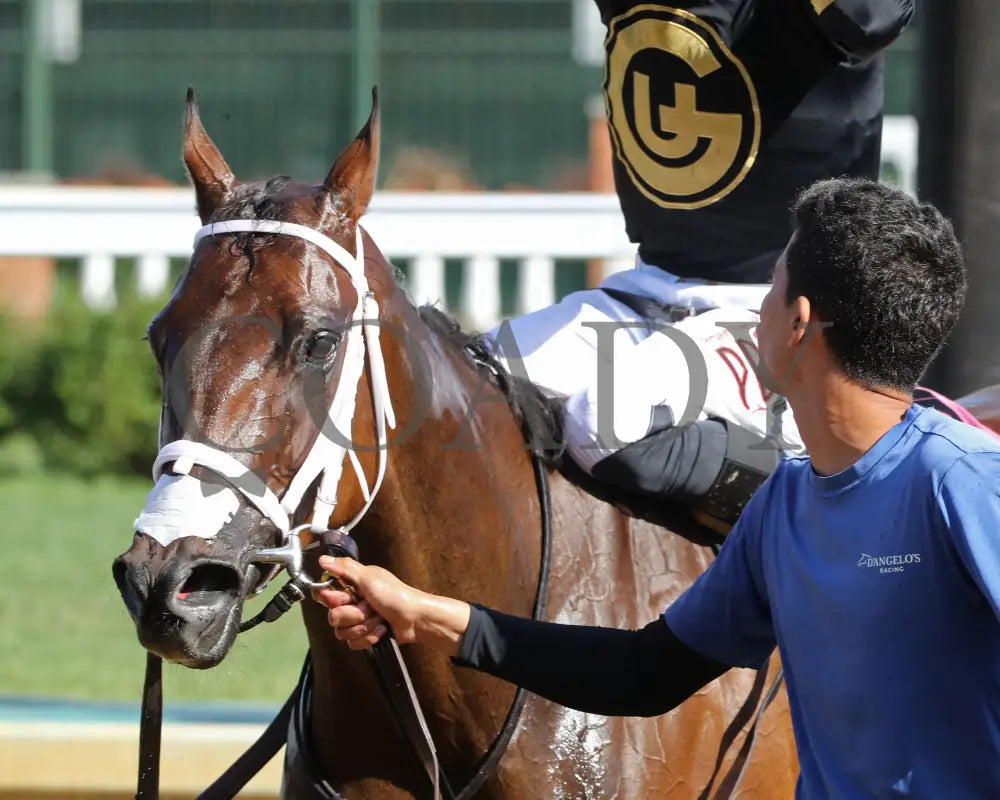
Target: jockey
{"type": "Point", "coordinates": [719, 112]}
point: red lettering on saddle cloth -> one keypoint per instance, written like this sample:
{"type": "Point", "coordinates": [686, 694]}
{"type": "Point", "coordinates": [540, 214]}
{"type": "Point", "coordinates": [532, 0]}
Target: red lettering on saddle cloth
{"type": "Point", "coordinates": [739, 365]}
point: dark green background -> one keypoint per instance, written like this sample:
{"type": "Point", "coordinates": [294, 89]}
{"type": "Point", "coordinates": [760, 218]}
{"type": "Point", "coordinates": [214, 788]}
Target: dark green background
{"type": "Point", "coordinates": [489, 82]}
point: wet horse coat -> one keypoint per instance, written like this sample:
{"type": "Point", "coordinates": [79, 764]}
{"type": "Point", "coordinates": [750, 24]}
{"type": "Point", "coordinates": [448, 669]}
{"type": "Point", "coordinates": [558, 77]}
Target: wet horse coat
{"type": "Point", "coordinates": [607, 569]}
{"type": "Point", "coordinates": [457, 515]}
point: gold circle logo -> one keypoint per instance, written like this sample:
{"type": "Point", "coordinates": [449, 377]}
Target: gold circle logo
{"type": "Point", "coordinates": [682, 109]}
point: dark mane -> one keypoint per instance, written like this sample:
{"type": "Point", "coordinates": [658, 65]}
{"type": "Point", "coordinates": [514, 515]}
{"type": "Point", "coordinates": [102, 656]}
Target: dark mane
{"type": "Point", "coordinates": [540, 416]}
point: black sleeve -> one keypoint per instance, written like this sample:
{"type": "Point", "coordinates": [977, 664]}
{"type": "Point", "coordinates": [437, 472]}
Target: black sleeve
{"type": "Point", "coordinates": [634, 673]}
{"type": "Point", "coordinates": [856, 28]}
{"type": "Point", "coordinates": [676, 463]}
{"type": "Point", "coordinates": [860, 29]}
{"type": "Point", "coordinates": [788, 46]}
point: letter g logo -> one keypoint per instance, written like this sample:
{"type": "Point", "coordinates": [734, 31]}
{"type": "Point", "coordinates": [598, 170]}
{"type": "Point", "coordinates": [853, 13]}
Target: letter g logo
{"type": "Point", "coordinates": [682, 109]}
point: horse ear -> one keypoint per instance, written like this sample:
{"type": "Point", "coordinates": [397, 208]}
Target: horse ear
{"type": "Point", "coordinates": [352, 177]}
{"type": "Point", "coordinates": [212, 178]}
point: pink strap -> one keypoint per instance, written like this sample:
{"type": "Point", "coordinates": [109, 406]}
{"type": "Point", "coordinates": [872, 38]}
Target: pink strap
{"type": "Point", "coordinates": [960, 412]}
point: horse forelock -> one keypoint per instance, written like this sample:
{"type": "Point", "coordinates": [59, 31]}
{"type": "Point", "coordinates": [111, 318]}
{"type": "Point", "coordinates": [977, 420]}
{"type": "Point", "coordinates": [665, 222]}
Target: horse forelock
{"type": "Point", "coordinates": [255, 200]}
{"type": "Point", "coordinates": [280, 199]}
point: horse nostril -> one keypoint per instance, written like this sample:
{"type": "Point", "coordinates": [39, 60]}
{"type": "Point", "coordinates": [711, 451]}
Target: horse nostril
{"type": "Point", "coordinates": [207, 581]}
{"type": "Point", "coordinates": [118, 570]}
{"type": "Point", "coordinates": [132, 595]}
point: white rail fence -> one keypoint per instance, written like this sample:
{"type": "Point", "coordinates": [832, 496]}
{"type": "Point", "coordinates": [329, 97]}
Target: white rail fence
{"type": "Point", "coordinates": [96, 225]}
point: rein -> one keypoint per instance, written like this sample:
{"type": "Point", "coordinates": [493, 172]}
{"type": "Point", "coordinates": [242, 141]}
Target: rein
{"type": "Point", "coordinates": [397, 687]}
{"type": "Point", "coordinates": [404, 702]}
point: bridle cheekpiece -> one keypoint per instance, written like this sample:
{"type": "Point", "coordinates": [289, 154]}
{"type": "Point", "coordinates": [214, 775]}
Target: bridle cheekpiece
{"type": "Point", "coordinates": [179, 505]}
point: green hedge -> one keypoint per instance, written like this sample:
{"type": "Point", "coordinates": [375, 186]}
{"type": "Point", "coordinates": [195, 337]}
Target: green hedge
{"type": "Point", "coordinates": [80, 393]}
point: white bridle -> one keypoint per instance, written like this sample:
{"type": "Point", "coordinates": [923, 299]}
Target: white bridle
{"type": "Point", "coordinates": [181, 505]}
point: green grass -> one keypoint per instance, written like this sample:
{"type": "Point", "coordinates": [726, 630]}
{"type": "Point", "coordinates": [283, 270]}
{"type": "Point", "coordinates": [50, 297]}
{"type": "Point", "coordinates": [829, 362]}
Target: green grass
{"type": "Point", "coordinates": [63, 628]}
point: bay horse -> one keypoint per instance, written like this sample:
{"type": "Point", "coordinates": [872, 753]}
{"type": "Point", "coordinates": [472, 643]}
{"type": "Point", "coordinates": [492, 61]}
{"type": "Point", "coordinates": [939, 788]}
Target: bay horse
{"type": "Point", "coordinates": [255, 321]}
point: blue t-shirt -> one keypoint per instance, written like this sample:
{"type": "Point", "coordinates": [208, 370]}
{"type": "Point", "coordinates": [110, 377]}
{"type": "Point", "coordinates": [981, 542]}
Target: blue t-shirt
{"type": "Point", "coordinates": [881, 587]}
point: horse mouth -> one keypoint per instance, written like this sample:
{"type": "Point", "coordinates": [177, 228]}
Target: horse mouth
{"type": "Point", "coordinates": [185, 612]}
{"type": "Point", "coordinates": [209, 582]}
{"type": "Point", "coordinates": [194, 646]}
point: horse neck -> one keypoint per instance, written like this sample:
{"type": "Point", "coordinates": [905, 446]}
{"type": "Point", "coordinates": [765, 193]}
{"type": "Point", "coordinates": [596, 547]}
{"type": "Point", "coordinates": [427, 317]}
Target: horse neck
{"type": "Point", "coordinates": [458, 514]}
{"type": "Point", "coordinates": [460, 484]}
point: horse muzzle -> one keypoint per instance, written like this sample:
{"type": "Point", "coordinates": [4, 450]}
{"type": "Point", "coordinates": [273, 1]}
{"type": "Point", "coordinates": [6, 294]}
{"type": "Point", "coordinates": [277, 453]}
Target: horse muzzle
{"type": "Point", "coordinates": [185, 599]}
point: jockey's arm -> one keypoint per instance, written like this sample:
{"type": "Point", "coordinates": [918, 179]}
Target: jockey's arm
{"type": "Point", "coordinates": [787, 46]}
{"type": "Point", "coordinates": [850, 29]}
{"type": "Point", "coordinates": [712, 465]}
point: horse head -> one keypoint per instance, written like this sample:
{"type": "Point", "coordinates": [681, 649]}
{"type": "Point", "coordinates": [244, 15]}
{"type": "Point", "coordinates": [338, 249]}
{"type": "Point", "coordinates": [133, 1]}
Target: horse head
{"type": "Point", "coordinates": [262, 328]}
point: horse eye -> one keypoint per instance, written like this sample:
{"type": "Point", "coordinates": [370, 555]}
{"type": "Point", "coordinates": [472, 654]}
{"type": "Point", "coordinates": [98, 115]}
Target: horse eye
{"type": "Point", "coordinates": [322, 345]}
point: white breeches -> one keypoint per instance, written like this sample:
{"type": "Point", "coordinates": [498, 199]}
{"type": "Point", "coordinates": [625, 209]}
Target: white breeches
{"type": "Point", "coordinates": [593, 350]}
